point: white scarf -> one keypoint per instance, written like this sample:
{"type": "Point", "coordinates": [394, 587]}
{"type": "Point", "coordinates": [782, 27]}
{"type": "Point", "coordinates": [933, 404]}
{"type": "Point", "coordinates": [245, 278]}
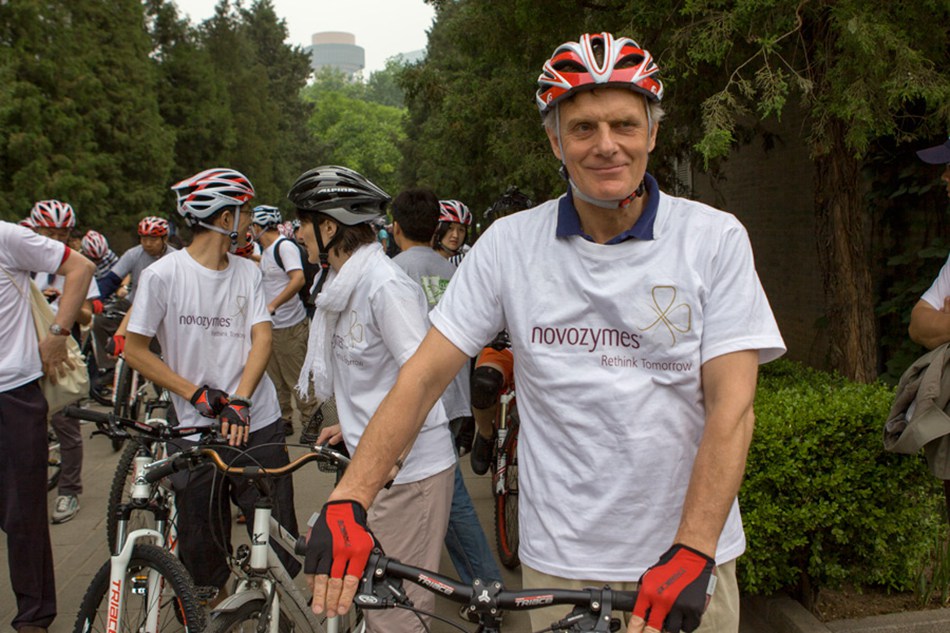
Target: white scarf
{"type": "Point", "coordinates": [336, 293]}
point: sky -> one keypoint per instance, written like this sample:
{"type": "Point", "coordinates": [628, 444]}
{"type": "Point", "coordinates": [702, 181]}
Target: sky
{"type": "Point", "coordinates": [382, 27]}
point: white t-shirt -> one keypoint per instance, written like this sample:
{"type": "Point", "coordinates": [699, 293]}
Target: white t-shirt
{"type": "Point", "coordinates": [940, 287]}
{"type": "Point", "coordinates": [608, 342]}
{"type": "Point", "coordinates": [56, 282]}
{"type": "Point", "coordinates": [21, 251]}
{"type": "Point", "coordinates": [378, 330]}
{"type": "Point", "coordinates": [275, 280]}
{"type": "Point", "coordinates": [202, 319]}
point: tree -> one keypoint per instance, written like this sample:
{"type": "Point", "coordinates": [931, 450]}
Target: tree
{"type": "Point", "coordinates": [80, 112]}
{"type": "Point", "coordinates": [865, 72]}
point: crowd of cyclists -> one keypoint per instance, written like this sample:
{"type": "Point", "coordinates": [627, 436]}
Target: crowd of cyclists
{"type": "Point", "coordinates": [628, 476]}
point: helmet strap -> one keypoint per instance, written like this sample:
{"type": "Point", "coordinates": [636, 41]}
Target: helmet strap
{"type": "Point", "coordinates": [232, 234]}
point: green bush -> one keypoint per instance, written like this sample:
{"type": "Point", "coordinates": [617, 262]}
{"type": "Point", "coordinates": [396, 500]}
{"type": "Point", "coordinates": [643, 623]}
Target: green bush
{"type": "Point", "coordinates": [822, 503]}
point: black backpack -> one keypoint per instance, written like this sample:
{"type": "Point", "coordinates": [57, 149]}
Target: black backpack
{"type": "Point", "coordinates": [310, 272]}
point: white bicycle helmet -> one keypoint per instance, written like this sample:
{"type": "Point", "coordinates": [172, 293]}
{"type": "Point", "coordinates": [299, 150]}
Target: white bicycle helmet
{"type": "Point", "coordinates": [94, 245]}
{"type": "Point", "coordinates": [53, 214]}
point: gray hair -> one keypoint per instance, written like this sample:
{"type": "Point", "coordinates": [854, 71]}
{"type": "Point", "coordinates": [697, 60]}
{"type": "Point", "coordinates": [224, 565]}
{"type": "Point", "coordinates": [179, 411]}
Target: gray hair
{"type": "Point", "coordinates": [655, 114]}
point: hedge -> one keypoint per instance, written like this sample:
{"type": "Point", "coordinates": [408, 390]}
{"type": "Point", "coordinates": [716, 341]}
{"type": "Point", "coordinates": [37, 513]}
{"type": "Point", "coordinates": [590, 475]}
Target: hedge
{"type": "Point", "coordinates": [822, 503]}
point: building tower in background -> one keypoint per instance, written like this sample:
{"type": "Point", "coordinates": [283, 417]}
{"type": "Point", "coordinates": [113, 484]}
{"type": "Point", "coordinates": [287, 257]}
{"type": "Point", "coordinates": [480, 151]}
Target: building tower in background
{"type": "Point", "coordinates": [336, 49]}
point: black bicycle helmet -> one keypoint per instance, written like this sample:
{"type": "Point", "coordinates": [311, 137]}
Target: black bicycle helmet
{"type": "Point", "coordinates": [341, 193]}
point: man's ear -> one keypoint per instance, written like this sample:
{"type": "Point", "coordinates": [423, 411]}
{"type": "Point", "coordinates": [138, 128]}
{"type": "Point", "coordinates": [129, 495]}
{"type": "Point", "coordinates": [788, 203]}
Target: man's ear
{"type": "Point", "coordinates": [552, 138]}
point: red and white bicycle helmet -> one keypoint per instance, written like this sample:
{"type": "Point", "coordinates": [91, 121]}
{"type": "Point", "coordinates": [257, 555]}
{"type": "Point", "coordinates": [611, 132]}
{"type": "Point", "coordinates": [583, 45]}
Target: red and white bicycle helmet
{"type": "Point", "coordinates": [27, 222]}
{"type": "Point", "coordinates": [94, 245]}
{"type": "Point", "coordinates": [454, 211]}
{"type": "Point", "coordinates": [53, 214]}
{"type": "Point", "coordinates": [210, 191]}
{"type": "Point", "coordinates": [597, 60]}
{"type": "Point", "coordinates": [153, 226]}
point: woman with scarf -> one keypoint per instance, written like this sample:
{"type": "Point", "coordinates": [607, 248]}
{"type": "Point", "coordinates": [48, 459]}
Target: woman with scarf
{"type": "Point", "coordinates": [370, 318]}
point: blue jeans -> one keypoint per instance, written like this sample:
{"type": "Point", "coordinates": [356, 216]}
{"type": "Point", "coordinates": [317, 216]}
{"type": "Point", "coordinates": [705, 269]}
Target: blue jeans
{"type": "Point", "coordinates": [465, 540]}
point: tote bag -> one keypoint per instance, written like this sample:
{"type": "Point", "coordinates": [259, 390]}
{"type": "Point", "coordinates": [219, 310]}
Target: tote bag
{"type": "Point", "coordinates": [74, 384]}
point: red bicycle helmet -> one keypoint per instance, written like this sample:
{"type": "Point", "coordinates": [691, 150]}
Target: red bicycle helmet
{"type": "Point", "coordinates": [94, 245]}
{"type": "Point", "coordinates": [210, 191]}
{"type": "Point", "coordinates": [53, 214]}
{"type": "Point", "coordinates": [454, 211]}
{"type": "Point", "coordinates": [597, 60]}
{"type": "Point", "coordinates": [153, 226]}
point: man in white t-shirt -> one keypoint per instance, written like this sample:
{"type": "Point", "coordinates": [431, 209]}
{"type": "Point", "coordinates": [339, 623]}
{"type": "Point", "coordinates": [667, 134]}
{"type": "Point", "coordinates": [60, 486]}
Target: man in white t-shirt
{"type": "Point", "coordinates": [56, 220]}
{"type": "Point", "coordinates": [206, 308]}
{"type": "Point", "coordinates": [23, 410]}
{"type": "Point", "coordinates": [637, 323]}
{"type": "Point", "coordinates": [282, 268]}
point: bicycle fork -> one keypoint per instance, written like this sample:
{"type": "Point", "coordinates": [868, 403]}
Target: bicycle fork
{"type": "Point", "coordinates": [502, 460]}
{"type": "Point", "coordinates": [150, 587]}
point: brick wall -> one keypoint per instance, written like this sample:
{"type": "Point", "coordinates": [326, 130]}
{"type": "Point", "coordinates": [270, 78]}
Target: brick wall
{"type": "Point", "coordinates": [771, 190]}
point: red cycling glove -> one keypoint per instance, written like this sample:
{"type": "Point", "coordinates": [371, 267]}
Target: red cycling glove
{"type": "Point", "coordinates": [673, 594]}
{"type": "Point", "coordinates": [236, 414]}
{"type": "Point", "coordinates": [209, 402]}
{"type": "Point", "coordinates": [97, 306]}
{"type": "Point", "coordinates": [115, 345]}
{"type": "Point", "coordinates": [340, 541]}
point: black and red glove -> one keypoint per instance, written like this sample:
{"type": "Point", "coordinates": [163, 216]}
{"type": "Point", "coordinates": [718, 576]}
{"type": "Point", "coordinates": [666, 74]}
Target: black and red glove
{"type": "Point", "coordinates": [236, 413]}
{"type": "Point", "coordinates": [97, 306]}
{"type": "Point", "coordinates": [209, 402]}
{"type": "Point", "coordinates": [115, 345]}
{"type": "Point", "coordinates": [674, 593]}
{"type": "Point", "coordinates": [340, 542]}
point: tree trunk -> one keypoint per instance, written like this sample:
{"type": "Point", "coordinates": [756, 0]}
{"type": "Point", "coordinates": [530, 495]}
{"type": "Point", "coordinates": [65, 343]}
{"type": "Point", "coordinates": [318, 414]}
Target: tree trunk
{"type": "Point", "coordinates": [842, 232]}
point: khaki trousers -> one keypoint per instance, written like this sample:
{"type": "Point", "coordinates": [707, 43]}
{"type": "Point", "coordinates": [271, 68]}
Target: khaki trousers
{"type": "Point", "coordinates": [289, 348]}
{"type": "Point", "coordinates": [722, 615]}
{"type": "Point", "coordinates": [409, 521]}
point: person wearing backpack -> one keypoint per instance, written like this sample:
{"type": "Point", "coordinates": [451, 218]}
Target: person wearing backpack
{"type": "Point", "coordinates": [282, 269]}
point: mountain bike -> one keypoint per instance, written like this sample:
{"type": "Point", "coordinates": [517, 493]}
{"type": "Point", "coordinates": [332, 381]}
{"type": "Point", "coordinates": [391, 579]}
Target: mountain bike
{"type": "Point", "coordinates": [505, 479]}
{"type": "Point", "coordinates": [381, 588]}
{"type": "Point", "coordinates": [265, 599]}
{"type": "Point", "coordinates": [143, 587]}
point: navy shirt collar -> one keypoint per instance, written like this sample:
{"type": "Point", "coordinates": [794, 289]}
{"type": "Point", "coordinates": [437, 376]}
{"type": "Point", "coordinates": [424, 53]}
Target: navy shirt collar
{"type": "Point", "coordinates": [569, 223]}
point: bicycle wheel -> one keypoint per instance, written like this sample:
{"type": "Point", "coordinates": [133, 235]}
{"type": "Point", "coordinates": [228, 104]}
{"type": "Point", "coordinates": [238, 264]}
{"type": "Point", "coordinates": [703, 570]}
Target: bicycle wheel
{"type": "Point", "coordinates": [54, 464]}
{"type": "Point", "coordinates": [121, 490]}
{"type": "Point", "coordinates": [506, 503]}
{"type": "Point", "coordinates": [245, 619]}
{"type": "Point", "coordinates": [178, 608]}
{"type": "Point", "coordinates": [125, 403]}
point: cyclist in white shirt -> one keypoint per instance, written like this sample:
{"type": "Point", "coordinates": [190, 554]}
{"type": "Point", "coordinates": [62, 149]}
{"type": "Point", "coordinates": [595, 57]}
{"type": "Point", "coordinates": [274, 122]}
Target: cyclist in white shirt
{"type": "Point", "coordinates": [282, 268]}
{"type": "Point", "coordinates": [369, 320]}
{"type": "Point", "coordinates": [23, 410]}
{"type": "Point", "coordinates": [637, 323]}
{"type": "Point", "coordinates": [56, 220]}
{"type": "Point", "coordinates": [206, 308]}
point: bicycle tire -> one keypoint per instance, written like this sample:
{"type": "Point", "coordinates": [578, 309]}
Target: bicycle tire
{"type": "Point", "coordinates": [506, 503]}
{"type": "Point", "coordinates": [181, 612]}
{"type": "Point", "coordinates": [121, 491]}
{"type": "Point", "coordinates": [54, 464]}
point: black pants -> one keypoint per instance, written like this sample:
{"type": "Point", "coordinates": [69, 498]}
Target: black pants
{"type": "Point", "coordinates": [204, 512]}
{"type": "Point", "coordinates": [23, 459]}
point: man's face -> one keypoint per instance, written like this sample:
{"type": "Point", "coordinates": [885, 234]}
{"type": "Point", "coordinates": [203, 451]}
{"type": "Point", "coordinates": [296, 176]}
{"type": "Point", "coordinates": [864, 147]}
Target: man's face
{"type": "Point", "coordinates": [606, 141]}
{"type": "Point", "coordinates": [60, 234]}
{"type": "Point", "coordinates": [454, 236]}
{"type": "Point", "coordinates": [152, 244]}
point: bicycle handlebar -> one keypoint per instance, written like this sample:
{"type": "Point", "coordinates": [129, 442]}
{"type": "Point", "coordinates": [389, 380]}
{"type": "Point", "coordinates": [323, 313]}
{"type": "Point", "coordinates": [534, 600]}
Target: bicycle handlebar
{"type": "Point", "coordinates": [195, 456]}
{"type": "Point", "coordinates": [592, 605]}
{"type": "Point", "coordinates": [111, 425]}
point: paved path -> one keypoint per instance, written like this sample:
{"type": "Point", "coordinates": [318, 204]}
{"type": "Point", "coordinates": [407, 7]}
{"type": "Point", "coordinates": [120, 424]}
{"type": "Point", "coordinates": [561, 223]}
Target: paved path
{"type": "Point", "coordinates": [79, 546]}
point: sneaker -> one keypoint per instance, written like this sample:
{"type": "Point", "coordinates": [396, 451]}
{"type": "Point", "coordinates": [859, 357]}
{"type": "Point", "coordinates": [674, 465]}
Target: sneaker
{"type": "Point", "coordinates": [67, 506]}
{"type": "Point", "coordinates": [481, 454]}
{"type": "Point", "coordinates": [288, 426]}
{"type": "Point", "coordinates": [311, 429]}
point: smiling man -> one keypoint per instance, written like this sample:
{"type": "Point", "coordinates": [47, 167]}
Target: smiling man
{"type": "Point", "coordinates": [637, 324]}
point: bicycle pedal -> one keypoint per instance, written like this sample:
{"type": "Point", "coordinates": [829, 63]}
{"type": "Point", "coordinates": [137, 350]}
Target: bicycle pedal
{"type": "Point", "coordinates": [206, 593]}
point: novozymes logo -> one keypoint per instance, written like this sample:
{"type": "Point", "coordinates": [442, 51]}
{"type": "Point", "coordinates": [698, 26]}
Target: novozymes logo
{"type": "Point", "coordinates": [589, 338]}
{"type": "Point", "coordinates": [204, 322]}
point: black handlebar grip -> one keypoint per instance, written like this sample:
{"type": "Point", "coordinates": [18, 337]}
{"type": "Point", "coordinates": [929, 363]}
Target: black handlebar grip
{"type": "Point", "coordinates": [86, 414]}
{"type": "Point", "coordinates": [166, 469]}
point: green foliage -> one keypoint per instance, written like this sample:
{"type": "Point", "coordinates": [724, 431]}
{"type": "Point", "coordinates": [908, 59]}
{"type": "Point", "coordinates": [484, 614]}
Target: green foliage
{"type": "Point", "coordinates": [822, 503]}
